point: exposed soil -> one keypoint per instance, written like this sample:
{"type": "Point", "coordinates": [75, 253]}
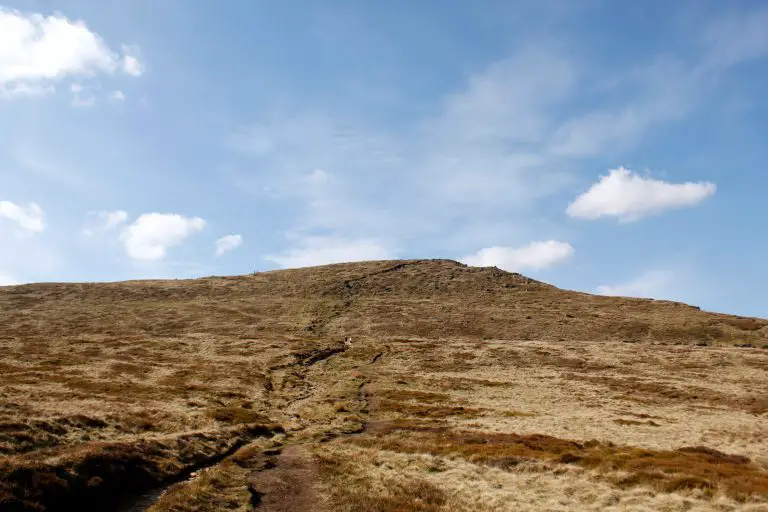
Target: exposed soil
{"type": "Point", "coordinates": [289, 486]}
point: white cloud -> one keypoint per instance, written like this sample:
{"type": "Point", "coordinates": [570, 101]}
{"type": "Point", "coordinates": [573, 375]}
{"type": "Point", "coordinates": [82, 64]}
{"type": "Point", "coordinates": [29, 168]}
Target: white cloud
{"type": "Point", "coordinates": [104, 221]}
{"type": "Point", "coordinates": [152, 234]}
{"type": "Point", "coordinates": [6, 280]}
{"type": "Point", "coordinates": [131, 63]}
{"type": "Point", "coordinates": [228, 243]}
{"type": "Point", "coordinates": [534, 256]}
{"type": "Point", "coordinates": [30, 218]}
{"type": "Point", "coordinates": [117, 96]}
{"type": "Point", "coordinates": [36, 50]}
{"type": "Point", "coordinates": [321, 250]}
{"type": "Point", "coordinates": [657, 284]}
{"type": "Point", "coordinates": [628, 196]}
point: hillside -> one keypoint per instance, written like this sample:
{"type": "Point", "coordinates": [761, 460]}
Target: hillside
{"type": "Point", "coordinates": [543, 398]}
{"type": "Point", "coordinates": [431, 299]}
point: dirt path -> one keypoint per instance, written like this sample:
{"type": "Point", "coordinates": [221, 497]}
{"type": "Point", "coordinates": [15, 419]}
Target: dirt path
{"type": "Point", "coordinates": [288, 487]}
{"type": "Point", "coordinates": [298, 385]}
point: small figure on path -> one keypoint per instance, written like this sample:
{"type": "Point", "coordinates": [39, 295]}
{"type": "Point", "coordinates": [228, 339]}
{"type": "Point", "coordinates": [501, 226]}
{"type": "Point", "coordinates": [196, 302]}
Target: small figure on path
{"type": "Point", "coordinates": [347, 341]}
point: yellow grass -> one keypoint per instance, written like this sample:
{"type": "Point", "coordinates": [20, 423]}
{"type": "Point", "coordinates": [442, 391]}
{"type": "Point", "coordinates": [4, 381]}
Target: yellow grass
{"type": "Point", "coordinates": [465, 389]}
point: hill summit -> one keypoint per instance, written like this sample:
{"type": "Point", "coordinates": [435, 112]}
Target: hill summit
{"type": "Point", "coordinates": [408, 298]}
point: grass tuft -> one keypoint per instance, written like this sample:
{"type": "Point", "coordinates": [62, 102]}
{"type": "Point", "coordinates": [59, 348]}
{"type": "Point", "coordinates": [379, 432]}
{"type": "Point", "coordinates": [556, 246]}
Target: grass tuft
{"type": "Point", "coordinates": [237, 416]}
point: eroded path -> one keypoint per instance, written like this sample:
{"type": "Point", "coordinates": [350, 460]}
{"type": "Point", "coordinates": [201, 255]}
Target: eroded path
{"type": "Point", "coordinates": [317, 395]}
{"type": "Point", "coordinates": [289, 486]}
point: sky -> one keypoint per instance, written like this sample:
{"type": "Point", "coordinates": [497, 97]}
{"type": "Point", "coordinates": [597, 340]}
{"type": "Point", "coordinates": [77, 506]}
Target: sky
{"type": "Point", "coordinates": [608, 147]}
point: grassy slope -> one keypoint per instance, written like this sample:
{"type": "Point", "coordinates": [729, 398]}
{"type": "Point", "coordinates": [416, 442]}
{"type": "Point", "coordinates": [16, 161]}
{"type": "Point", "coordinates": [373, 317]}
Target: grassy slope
{"type": "Point", "coordinates": [174, 373]}
{"type": "Point", "coordinates": [435, 299]}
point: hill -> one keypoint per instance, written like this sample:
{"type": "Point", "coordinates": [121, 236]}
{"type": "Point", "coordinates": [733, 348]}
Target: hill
{"type": "Point", "coordinates": [544, 398]}
{"type": "Point", "coordinates": [427, 298]}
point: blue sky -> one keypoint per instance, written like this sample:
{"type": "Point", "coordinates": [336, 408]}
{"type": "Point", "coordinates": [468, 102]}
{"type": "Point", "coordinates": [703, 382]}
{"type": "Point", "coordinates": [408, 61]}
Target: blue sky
{"type": "Point", "coordinates": [601, 146]}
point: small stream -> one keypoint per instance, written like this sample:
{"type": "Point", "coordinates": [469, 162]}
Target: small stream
{"type": "Point", "coordinates": [141, 502]}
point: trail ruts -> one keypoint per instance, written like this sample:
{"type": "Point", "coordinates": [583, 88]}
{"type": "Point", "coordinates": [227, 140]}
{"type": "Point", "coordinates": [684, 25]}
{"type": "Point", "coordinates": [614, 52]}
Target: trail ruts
{"type": "Point", "coordinates": [274, 376]}
{"type": "Point", "coordinates": [303, 387]}
{"type": "Point", "coordinates": [287, 386]}
{"type": "Point", "coordinates": [295, 384]}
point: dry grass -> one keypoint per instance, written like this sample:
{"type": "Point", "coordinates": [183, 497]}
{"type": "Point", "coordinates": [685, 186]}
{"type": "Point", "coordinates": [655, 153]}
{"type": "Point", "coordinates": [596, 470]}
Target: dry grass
{"type": "Point", "coordinates": [700, 468]}
{"type": "Point", "coordinates": [123, 373]}
{"type": "Point", "coordinates": [517, 414]}
{"type": "Point", "coordinates": [221, 487]}
{"type": "Point", "coordinates": [93, 475]}
{"type": "Point", "coordinates": [236, 415]}
{"type": "Point", "coordinates": [426, 411]}
{"type": "Point", "coordinates": [403, 495]}
{"type": "Point", "coordinates": [355, 477]}
{"type": "Point", "coordinates": [418, 396]}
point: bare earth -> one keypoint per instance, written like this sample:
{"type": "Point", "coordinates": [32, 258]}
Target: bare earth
{"type": "Point", "coordinates": [464, 389]}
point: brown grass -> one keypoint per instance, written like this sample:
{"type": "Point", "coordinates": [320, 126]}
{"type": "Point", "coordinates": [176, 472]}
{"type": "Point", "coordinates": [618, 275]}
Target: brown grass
{"type": "Point", "coordinates": [654, 391]}
{"type": "Point", "coordinates": [418, 396]}
{"type": "Point", "coordinates": [124, 373]}
{"type": "Point", "coordinates": [665, 470]}
{"type": "Point", "coordinates": [389, 495]}
{"type": "Point", "coordinates": [427, 411]}
{"type": "Point", "coordinates": [217, 489]}
{"type": "Point", "coordinates": [517, 414]}
{"type": "Point", "coordinates": [236, 415]}
{"type": "Point", "coordinates": [621, 421]}
{"type": "Point", "coordinates": [744, 324]}
{"type": "Point", "coordinates": [221, 487]}
{"type": "Point", "coordinates": [89, 476]}
{"type": "Point", "coordinates": [463, 384]}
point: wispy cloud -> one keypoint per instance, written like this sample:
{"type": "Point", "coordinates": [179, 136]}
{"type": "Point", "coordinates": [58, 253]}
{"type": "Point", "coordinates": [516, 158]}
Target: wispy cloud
{"type": "Point", "coordinates": [735, 39]}
{"type": "Point", "coordinates": [482, 152]}
{"type": "Point", "coordinates": [319, 250]}
{"type": "Point", "coordinates": [227, 243]}
{"type": "Point", "coordinates": [656, 284]}
{"type": "Point", "coordinates": [99, 222]}
{"type": "Point", "coordinates": [534, 256]}
{"type": "Point", "coordinates": [25, 258]}
{"type": "Point", "coordinates": [491, 149]}
{"type": "Point", "coordinates": [6, 280]}
{"type": "Point", "coordinates": [30, 218]}
{"type": "Point", "coordinates": [662, 91]}
{"type": "Point", "coordinates": [667, 89]}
